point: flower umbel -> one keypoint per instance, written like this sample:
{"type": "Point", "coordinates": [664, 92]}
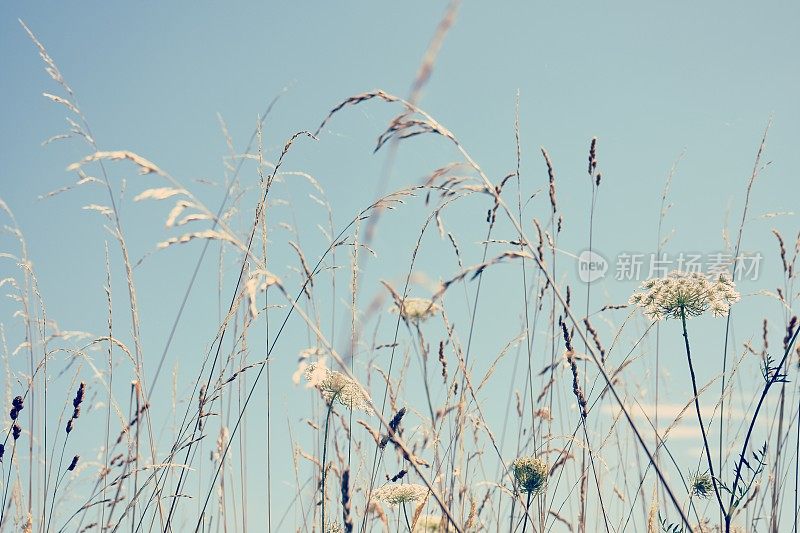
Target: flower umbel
{"type": "Point", "coordinates": [530, 473]}
{"type": "Point", "coordinates": [335, 386]}
{"type": "Point", "coordinates": [396, 494]}
{"type": "Point", "coordinates": [701, 485]}
{"type": "Point", "coordinates": [416, 309]}
{"type": "Point", "coordinates": [334, 527]}
{"type": "Point", "coordinates": [690, 293]}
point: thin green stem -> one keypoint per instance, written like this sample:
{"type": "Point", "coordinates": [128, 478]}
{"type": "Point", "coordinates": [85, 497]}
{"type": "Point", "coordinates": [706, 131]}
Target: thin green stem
{"type": "Point", "coordinates": [325, 459]}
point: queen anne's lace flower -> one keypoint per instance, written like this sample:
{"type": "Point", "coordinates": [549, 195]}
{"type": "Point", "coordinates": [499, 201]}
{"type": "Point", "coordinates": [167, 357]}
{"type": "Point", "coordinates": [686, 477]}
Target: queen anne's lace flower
{"type": "Point", "coordinates": [530, 473]}
{"type": "Point", "coordinates": [336, 387]}
{"type": "Point", "coordinates": [410, 492]}
{"type": "Point", "coordinates": [416, 309]}
{"type": "Point", "coordinates": [685, 293]}
{"type": "Point", "coordinates": [334, 527]}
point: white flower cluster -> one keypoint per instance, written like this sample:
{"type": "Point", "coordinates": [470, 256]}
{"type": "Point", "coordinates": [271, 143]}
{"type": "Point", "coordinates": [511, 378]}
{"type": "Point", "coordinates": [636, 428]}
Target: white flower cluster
{"type": "Point", "coordinates": [416, 309]}
{"type": "Point", "coordinates": [336, 387]}
{"type": "Point", "coordinates": [690, 294]}
{"type": "Point", "coordinates": [334, 527]}
{"type": "Point", "coordinates": [530, 474]}
{"type": "Point", "coordinates": [410, 492]}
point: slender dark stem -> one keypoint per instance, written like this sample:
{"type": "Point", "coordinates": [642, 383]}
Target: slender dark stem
{"type": "Point", "coordinates": [738, 470]}
{"type": "Point", "coordinates": [525, 519]}
{"type": "Point", "coordinates": [8, 482]}
{"type": "Point", "coordinates": [55, 490]}
{"type": "Point", "coordinates": [700, 416]}
{"type": "Point", "coordinates": [796, 468]}
{"type": "Point", "coordinates": [324, 459]}
{"type": "Point", "coordinates": [405, 515]}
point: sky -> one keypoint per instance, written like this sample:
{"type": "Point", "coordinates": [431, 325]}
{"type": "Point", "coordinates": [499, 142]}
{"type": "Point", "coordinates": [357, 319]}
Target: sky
{"type": "Point", "coordinates": [681, 84]}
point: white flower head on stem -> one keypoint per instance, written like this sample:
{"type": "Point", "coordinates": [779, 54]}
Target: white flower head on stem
{"type": "Point", "coordinates": [416, 309]}
{"type": "Point", "coordinates": [396, 494]}
{"type": "Point", "coordinates": [334, 527]}
{"type": "Point", "coordinates": [531, 474]}
{"type": "Point", "coordinates": [685, 293]}
{"type": "Point", "coordinates": [337, 387]}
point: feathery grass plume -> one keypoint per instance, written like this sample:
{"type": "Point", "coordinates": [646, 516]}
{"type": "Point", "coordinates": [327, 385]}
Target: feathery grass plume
{"type": "Point", "coordinates": [335, 386]}
{"type": "Point", "coordinates": [530, 473]}
{"type": "Point", "coordinates": [782, 247]}
{"type": "Point", "coordinates": [652, 514]}
{"type": "Point", "coordinates": [789, 332]}
{"type": "Point", "coordinates": [551, 176]}
{"type": "Point", "coordinates": [567, 336]}
{"type": "Point", "coordinates": [540, 246]}
{"type": "Point", "coordinates": [701, 485]}
{"type": "Point", "coordinates": [691, 293]}
{"type": "Point", "coordinates": [443, 361]}
{"type": "Point", "coordinates": [201, 402]}
{"type": "Point", "coordinates": [397, 494]}
{"type": "Point", "coordinates": [576, 386]}
{"type": "Point", "coordinates": [596, 339]}
{"type": "Point", "coordinates": [416, 309]}
{"type": "Point", "coordinates": [570, 355]}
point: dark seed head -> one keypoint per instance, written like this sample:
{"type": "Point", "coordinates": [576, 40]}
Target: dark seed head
{"type": "Point", "coordinates": [79, 395]}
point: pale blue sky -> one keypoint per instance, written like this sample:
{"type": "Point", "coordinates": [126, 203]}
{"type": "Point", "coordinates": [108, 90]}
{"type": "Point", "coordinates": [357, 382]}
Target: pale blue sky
{"type": "Point", "coordinates": [650, 80]}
